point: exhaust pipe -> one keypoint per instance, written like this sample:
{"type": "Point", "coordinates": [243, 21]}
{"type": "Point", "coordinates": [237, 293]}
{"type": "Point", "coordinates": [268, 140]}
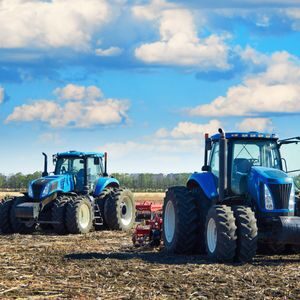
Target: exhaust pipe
{"type": "Point", "coordinates": [45, 172]}
{"type": "Point", "coordinates": [222, 165]}
{"type": "Point", "coordinates": [105, 165]}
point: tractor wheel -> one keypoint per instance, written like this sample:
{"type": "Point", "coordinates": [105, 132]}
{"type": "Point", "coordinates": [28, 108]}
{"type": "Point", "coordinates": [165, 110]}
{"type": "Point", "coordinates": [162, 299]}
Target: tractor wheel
{"type": "Point", "coordinates": [100, 201]}
{"type": "Point", "coordinates": [45, 215]}
{"type": "Point", "coordinates": [119, 209]}
{"type": "Point", "coordinates": [220, 232]}
{"type": "Point", "coordinates": [5, 207]}
{"type": "Point", "coordinates": [59, 214]}
{"type": "Point", "coordinates": [203, 205]}
{"type": "Point", "coordinates": [79, 215]}
{"type": "Point", "coordinates": [180, 221]}
{"type": "Point", "coordinates": [246, 233]}
{"type": "Point", "coordinates": [25, 227]}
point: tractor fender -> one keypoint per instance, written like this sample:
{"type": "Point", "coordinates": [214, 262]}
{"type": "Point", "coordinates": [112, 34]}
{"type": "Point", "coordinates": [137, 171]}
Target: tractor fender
{"type": "Point", "coordinates": [104, 182]}
{"type": "Point", "coordinates": [206, 181]}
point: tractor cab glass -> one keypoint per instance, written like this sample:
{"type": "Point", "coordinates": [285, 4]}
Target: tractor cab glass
{"type": "Point", "coordinates": [94, 171]}
{"type": "Point", "coordinates": [291, 161]}
{"type": "Point", "coordinates": [214, 160]}
{"type": "Point", "coordinates": [249, 153]}
{"type": "Point", "coordinates": [71, 166]}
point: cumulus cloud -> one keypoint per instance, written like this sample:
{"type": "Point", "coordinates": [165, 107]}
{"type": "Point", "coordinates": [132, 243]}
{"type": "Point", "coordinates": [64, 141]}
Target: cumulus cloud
{"type": "Point", "coordinates": [54, 23]}
{"type": "Point", "coordinates": [165, 150]}
{"type": "Point", "coordinates": [189, 130]}
{"type": "Point", "coordinates": [77, 92]}
{"type": "Point", "coordinates": [84, 108]}
{"type": "Point", "coordinates": [256, 124]}
{"type": "Point", "coordinates": [275, 90]}
{"type": "Point", "coordinates": [112, 51]}
{"type": "Point", "coordinates": [179, 43]}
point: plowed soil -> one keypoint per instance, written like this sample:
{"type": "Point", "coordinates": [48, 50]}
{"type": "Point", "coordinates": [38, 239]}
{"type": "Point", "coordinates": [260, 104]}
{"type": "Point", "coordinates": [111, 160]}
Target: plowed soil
{"type": "Point", "coordinates": [105, 265]}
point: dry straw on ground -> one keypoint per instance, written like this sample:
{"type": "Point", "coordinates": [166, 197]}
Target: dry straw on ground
{"type": "Point", "coordinates": [106, 265]}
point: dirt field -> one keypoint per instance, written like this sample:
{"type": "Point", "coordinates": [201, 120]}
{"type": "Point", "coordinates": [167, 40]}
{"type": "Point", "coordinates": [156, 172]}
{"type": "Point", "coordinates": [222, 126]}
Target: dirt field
{"type": "Point", "coordinates": [105, 265]}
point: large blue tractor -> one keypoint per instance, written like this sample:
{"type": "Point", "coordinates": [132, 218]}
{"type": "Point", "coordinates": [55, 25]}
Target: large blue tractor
{"type": "Point", "coordinates": [243, 198]}
{"type": "Point", "coordinates": [77, 197]}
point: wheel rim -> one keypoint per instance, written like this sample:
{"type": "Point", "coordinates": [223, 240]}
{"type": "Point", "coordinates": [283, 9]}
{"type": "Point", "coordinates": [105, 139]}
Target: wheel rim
{"type": "Point", "coordinates": [211, 235]}
{"type": "Point", "coordinates": [126, 210]}
{"type": "Point", "coordinates": [169, 221]}
{"type": "Point", "coordinates": [84, 216]}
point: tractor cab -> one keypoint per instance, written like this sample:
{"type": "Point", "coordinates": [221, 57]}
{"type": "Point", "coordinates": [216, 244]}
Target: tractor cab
{"type": "Point", "coordinates": [83, 168]}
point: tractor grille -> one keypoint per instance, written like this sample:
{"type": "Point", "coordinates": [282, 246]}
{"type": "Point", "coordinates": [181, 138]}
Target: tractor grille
{"type": "Point", "coordinates": [37, 190]}
{"type": "Point", "coordinates": [38, 186]}
{"type": "Point", "coordinates": [281, 195]}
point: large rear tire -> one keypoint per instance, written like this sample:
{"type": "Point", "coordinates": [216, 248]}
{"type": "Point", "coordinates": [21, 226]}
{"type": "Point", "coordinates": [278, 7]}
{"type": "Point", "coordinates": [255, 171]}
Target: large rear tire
{"type": "Point", "coordinates": [59, 214]}
{"type": "Point", "coordinates": [119, 209]}
{"type": "Point", "coordinates": [5, 207]}
{"type": "Point", "coordinates": [220, 232]}
{"type": "Point", "coordinates": [246, 233]}
{"type": "Point", "coordinates": [18, 226]}
{"type": "Point", "coordinates": [79, 215]}
{"type": "Point", "coordinates": [180, 225]}
{"type": "Point", "coordinates": [100, 201]}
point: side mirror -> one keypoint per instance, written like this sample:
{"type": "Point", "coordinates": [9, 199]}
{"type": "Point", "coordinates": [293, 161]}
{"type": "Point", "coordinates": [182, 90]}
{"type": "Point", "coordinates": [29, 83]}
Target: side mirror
{"type": "Point", "coordinates": [97, 161]}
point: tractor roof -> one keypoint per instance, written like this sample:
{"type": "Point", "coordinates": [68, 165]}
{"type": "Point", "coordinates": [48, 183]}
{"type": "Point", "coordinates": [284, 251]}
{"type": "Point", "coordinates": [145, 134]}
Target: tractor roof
{"type": "Point", "coordinates": [246, 136]}
{"type": "Point", "coordinates": [79, 154]}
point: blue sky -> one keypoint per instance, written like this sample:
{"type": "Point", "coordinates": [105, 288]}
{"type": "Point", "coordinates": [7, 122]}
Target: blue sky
{"type": "Point", "coordinates": [143, 80]}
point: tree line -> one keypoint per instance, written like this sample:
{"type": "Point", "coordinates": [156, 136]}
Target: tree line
{"type": "Point", "coordinates": [136, 182]}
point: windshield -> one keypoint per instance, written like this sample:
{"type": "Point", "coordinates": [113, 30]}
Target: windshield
{"type": "Point", "coordinates": [263, 153]}
{"type": "Point", "coordinates": [69, 166]}
{"type": "Point", "coordinates": [291, 159]}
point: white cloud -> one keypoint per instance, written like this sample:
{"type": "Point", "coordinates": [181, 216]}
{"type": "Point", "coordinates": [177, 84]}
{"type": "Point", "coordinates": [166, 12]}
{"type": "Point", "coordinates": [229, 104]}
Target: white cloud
{"type": "Point", "coordinates": [176, 150]}
{"type": "Point", "coordinates": [82, 109]}
{"type": "Point", "coordinates": [256, 124]}
{"type": "Point", "coordinates": [55, 23]}
{"type": "Point", "coordinates": [249, 54]}
{"type": "Point", "coordinates": [179, 44]}
{"type": "Point", "coordinates": [189, 130]}
{"type": "Point", "coordinates": [2, 94]}
{"type": "Point", "coordinates": [275, 90]}
{"type": "Point", "coordinates": [112, 51]}
{"type": "Point", "coordinates": [76, 92]}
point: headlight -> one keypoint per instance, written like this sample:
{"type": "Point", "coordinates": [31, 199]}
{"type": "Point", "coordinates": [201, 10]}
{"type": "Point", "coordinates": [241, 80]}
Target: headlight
{"type": "Point", "coordinates": [268, 199]}
{"type": "Point", "coordinates": [292, 199]}
{"type": "Point", "coordinates": [30, 191]}
{"type": "Point", "coordinates": [45, 190]}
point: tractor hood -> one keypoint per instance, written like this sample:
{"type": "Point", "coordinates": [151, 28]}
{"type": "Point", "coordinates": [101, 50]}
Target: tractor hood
{"type": "Point", "coordinates": [43, 187]}
{"type": "Point", "coordinates": [270, 175]}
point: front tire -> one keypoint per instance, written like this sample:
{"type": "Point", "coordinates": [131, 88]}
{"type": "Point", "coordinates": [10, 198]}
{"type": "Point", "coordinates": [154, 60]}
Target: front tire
{"type": "Point", "coordinates": [16, 224]}
{"type": "Point", "coordinates": [220, 232]}
{"type": "Point", "coordinates": [5, 207]}
{"type": "Point", "coordinates": [180, 225]}
{"type": "Point", "coordinates": [59, 214]}
{"type": "Point", "coordinates": [246, 233]}
{"type": "Point", "coordinates": [79, 215]}
{"type": "Point", "coordinates": [119, 209]}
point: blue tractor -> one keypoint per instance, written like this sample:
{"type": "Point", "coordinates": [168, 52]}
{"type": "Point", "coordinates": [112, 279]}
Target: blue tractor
{"type": "Point", "coordinates": [243, 198]}
{"type": "Point", "coordinates": [77, 197]}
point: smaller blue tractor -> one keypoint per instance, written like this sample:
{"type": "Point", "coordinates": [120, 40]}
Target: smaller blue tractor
{"type": "Point", "coordinates": [78, 196]}
{"type": "Point", "coordinates": [244, 197]}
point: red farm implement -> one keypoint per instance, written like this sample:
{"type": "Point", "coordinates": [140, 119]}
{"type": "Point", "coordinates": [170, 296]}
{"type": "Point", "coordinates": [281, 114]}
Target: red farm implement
{"type": "Point", "coordinates": [148, 232]}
